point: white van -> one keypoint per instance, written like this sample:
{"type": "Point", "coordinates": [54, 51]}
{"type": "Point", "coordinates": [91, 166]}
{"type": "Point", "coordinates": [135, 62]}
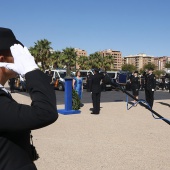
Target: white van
{"type": "Point", "coordinates": [83, 74]}
{"type": "Point", "coordinates": [113, 74]}
{"type": "Point", "coordinates": [58, 74]}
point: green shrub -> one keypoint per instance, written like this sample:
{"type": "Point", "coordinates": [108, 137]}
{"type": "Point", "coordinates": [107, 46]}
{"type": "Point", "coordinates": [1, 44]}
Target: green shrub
{"type": "Point", "coordinates": [75, 100]}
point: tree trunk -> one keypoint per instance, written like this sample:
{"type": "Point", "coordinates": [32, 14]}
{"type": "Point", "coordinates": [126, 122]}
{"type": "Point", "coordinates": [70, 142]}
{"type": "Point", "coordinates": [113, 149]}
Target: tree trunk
{"type": "Point", "coordinates": [68, 71]}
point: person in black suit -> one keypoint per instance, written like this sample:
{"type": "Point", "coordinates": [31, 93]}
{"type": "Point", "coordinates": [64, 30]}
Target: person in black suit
{"type": "Point", "coordinates": [135, 85]}
{"type": "Point", "coordinates": [17, 120]}
{"type": "Point", "coordinates": [12, 84]}
{"type": "Point", "coordinates": [50, 76]}
{"type": "Point", "coordinates": [150, 85]}
{"type": "Point", "coordinates": [95, 88]}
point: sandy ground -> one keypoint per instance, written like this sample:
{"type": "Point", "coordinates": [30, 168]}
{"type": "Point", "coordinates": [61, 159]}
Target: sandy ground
{"type": "Point", "coordinates": [117, 139]}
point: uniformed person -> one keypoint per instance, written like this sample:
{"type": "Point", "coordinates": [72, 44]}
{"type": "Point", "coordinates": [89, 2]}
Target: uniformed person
{"type": "Point", "coordinates": [95, 88]}
{"type": "Point", "coordinates": [135, 84]}
{"type": "Point", "coordinates": [150, 85]}
{"type": "Point", "coordinates": [12, 84]}
{"type": "Point", "coordinates": [50, 75]}
{"type": "Point", "coordinates": [17, 120]}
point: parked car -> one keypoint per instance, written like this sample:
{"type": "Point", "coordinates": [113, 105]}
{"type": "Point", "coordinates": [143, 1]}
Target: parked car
{"type": "Point", "coordinates": [106, 83]}
{"type": "Point", "coordinates": [57, 79]}
{"type": "Point", "coordinates": [123, 79]}
{"type": "Point", "coordinates": [113, 75]}
{"type": "Point", "coordinates": [83, 74]}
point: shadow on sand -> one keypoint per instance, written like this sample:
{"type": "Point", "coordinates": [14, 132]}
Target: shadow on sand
{"type": "Point", "coordinates": [165, 104]}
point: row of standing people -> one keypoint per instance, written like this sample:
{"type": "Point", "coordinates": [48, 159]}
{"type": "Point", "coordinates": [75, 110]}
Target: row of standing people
{"type": "Point", "coordinates": [149, 85]}
{"type": "Point", "coordinates": [17, 82]}
{"type": "Point", "coordinates": [93, 85]}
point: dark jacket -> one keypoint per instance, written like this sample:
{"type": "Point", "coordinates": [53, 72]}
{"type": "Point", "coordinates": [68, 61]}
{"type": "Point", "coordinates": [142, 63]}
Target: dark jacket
{"type": "Point", "coordinates": [95, 86]}
{"type": "Point", "coordinates": [88, 80]}
{"type": "Point", "coordinates": [135, 83]}
{"type": "Point", "coordinates": [12, 81]}
{"type": "Point", "coordinates": [17, 120]}
{"type": "Point", "coordinates": [150, 82]}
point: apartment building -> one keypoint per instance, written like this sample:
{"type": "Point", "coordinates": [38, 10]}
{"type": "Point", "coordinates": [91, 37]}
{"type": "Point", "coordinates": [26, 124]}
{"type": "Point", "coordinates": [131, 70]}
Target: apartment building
{"type": "Point", "coordinates": [80, 53]}
{"type": "Point", "coordinates": [117, 57]}
{"type": "Point", "coordinates": [161, 61]}
{"type": "Point", "coordinates": [138, 60]}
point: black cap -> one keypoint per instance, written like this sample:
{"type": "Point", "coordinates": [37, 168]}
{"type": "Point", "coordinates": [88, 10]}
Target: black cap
{"type": "Point", "coordinates": [136, 72]}
{"type": "Point", "coordinates": [7, 39]}
{"type": "Point", "coordinates": [96, 69]}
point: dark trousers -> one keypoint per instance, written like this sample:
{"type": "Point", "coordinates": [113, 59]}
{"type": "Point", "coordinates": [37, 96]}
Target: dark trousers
{"type": "Point", "coordinates": [12, 86]}
{"type": "Point", "coordinates": [88, 87]}
{"type": "Point", "coordinates": [142, 86]}
{"type": "Point", "coordinates": [149, 95]}
{"type": "Point", "coordinates": [96, 102]}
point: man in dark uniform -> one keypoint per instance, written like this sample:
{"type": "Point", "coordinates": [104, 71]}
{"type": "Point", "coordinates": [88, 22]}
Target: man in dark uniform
{"type": "Point", "coordinates": [168, 76]}
{"type": "Point", "coordinates": [12, 84]}
{"type": "Point", "coordinates": [50, 75]}
{"type": "Point", "coordinates": [150, 84]}
{"type": "Point", "coordinates": [135, 84]}
{"type": "Point", "coordinates": [95, 88]}
{"type": "Point", "coordinates": [104, 81]}
{"type": "Point", "coordinates": [163, 82]}
{"type": "Point", "coordinates": [17, 120]}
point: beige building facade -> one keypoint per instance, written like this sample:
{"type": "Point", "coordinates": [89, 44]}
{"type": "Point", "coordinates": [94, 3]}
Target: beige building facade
{"type": "Point", "coordinates": [138, 60]}
{"type": "Point", "coordinates": [117, 57]}
{"type": "Point", "coordinates": [79, 53]}
{"type": "Point", "coordinates": [161, 61]}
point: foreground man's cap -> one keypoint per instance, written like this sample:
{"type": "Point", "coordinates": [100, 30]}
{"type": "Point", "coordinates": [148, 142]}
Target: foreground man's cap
{"type": "Point", "coordinates": [7, 39]}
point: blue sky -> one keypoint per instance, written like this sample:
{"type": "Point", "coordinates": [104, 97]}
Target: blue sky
{"type": "Point", "coordinates": [130, 26]}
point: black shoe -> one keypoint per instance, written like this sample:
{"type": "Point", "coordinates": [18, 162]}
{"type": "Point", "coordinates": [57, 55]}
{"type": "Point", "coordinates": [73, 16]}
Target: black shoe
{"type": "Point", "coordinates": [81, 105]}
{"type": "Point", "coordinates": [94, 113]}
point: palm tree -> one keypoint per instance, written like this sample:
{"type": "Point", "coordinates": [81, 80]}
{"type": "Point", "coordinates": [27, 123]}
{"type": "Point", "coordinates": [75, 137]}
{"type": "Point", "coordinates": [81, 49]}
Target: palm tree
{"type": "Point", "coordinates": [56, 59]}
{"type": "Point", "coordinates": [68, 59]}
{"type": "Point", "coordinates": [95, 60]}
{"type": "Point", "coordinates": [42, 52]}
{"type": "Point", "coordinates": [107, 62]}
{"type": "Point", "coordinates": [83, 62]}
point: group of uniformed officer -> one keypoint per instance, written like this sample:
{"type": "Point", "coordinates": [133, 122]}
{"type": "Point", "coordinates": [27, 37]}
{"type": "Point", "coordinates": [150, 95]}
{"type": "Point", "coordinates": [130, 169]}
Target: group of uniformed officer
{"type": "Point", "coordinates": [148, 82]}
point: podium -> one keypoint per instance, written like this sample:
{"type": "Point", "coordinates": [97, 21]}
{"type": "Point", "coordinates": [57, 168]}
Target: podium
{"type": "Point", "coordinates": [68, 98]}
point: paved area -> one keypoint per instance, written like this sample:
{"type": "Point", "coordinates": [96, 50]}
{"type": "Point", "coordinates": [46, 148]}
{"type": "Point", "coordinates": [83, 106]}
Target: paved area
{"type": "Point", "coordinates": [113, 96]}
{"type": "Point", "coordinates": [116, 139]}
